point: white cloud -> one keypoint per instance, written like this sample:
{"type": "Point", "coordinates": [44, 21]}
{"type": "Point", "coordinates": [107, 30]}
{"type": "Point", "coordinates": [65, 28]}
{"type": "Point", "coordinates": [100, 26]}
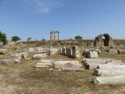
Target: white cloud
{"type": "Point", "coordinates": [43, 6]}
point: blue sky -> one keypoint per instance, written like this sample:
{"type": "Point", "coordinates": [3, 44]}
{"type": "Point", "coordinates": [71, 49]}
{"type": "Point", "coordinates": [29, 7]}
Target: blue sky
{"type": "Point", "coordinates": [87, 18]}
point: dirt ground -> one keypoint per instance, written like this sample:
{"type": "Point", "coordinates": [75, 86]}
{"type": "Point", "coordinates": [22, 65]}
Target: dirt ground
{"type": "Point", "coordinates": [23, 78]}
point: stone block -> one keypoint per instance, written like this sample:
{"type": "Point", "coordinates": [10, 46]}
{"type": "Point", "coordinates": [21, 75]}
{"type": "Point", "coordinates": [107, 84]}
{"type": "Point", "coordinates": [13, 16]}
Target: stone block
{"type": "Point", "coordinates": [3, 51]}
{"type": "Point", "coordinates": [109, 72]}
{"type": "Point", "coordinates": [113, 51]}
{"type": "Point", "coordinates": [39, 49]}
{"type": "Point", "coordinates": [44, 63]}
{"type": "Point", "coordinates": [39, 56]}
{"type": "Point", "coordinates": [111, 66]}
{"type": "Point", "coordinates": [67, 64]}
{"type": "Point", "coordinates": [109, 80]}
{"type": "Point", "coordinates": [53, 51]}
{"type": "Point", "coordinates": [31, 50]}
{"type": "Point", "coordinates": [73, 69]}
{"type": "Point", "coordinates": [92, 54]}
{"type": "Point", "coordinates": [64, 50]}
{"type": "Point", "coordinates": [47, 60]}
{"type": "Point", "coordinates": [69, 52]}
{"type": "Point", "coordinates": [121, 51]}
{"type": "Point", "coordinates": [93, 63]}
{"type": "Point", "coordinates": [6, 61]}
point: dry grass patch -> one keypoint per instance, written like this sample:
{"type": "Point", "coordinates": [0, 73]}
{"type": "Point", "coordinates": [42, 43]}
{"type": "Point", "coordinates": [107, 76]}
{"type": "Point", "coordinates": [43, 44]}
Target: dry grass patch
{"type": "Point", "coordinates": [23, 78]}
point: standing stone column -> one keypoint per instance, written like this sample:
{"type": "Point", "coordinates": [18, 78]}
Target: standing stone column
{"type": "Point", "coordinates": [58, 35]}
{"type": "Point", "coordinates": [50, 35]}
{"type": "Point", "coordinates": [54, 35]}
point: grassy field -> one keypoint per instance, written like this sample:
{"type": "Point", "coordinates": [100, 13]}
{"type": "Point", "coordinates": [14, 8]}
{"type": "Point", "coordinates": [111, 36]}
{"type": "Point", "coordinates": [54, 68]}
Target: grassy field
{"type": "Point", "coordinates": [23, 78]}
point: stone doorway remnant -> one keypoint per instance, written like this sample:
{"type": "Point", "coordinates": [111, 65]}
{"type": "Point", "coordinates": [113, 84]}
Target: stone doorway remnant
{"type": "Point", "coordinates": [103, 40]}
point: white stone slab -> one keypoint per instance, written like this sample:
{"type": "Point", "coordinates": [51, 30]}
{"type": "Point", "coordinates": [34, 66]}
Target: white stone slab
{"type": "Point", "coordinates": [109, 72]}
{"type": "Point", "coordinates": [110, 80]}
{"type": "Point", "coordinates": [67, 64]}
{"type": "Point", "coordinates": [111, 66]}
{"type": "Point", "coordinates": [39, 56]}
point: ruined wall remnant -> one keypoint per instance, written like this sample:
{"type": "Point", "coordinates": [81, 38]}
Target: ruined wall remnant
{"type": "Point", "coordinates": [73, 51]}
{"type": "Point", "coordinates": [103, 40]}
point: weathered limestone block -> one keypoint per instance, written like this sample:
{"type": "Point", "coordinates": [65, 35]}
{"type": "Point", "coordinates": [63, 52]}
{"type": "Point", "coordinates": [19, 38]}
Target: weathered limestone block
{"type": "Point", "coordinates": [109, 72]}
{"type": "Point", "coordinates": [61, 50]}
{"type": "Point", "coordinates": [44, 63]}
{"type": "Point", "coordinates": [31, 50]}
{"type": "Point", "coordinates": [85, 52]}
{"type": "Point", "coordinates": [17, 60]}
{"type": "Point", "coordinates": [69, 52]}
{"type": "Point", "coordinates": [73, 69]}
{"type": "Point", "coordinates": [39, 56]}
{"type": "Point", "coordinates": [18, 56]}
{"type": "Point", "coordinates": [47, 61]}
{"type": "Point", "coordinates": [98, 50]}
{"type": "Point", "coordinates": [24, 55]}
{"type": "Point", "coordinates": [115, 62]}
{"type": "Point", "coordinates": [3, 51]}
{"type": "Point", "coordinates": [109, 80]}
{"type": "Point", "coordinates": [93, 63]}
{"type": "Point", "coordinates": [113, 51]}
{"type": "Point", "coordinates": [99, 60]}
{"type": "Point", "coordinates": [111, 66]}
{"type": "Point", "coordinates": [91, 54]}
{"type": "Point", "coordinates": [76, 52]}
{"type": "Point", "coordinates": [121, 51]}
{"type": "Point", "coordinates": [53, 51]}
{"type": "Point", "coordinates": [21, 50]}
{"type": "Point", "coordinates": [64, 50]}
{"type": "Point", "coordinates": [39, 49]}
{"type": "Point", "coordinates": [6, 61]}
{"type": "Point", "coordinates": [67, 64]}
{"type": "Point", "coordinates": [41, 65]}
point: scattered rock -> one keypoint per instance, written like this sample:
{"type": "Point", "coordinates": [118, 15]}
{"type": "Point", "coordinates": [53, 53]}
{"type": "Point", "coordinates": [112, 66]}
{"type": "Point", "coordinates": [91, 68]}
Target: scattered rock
{"type": "Point", "coordinates": [44, 63]}
{"type": "Point", "coordinates": [53, 51]}
{"type": "Point", "coordinates": [3, 51]}
{"type": "Point", "coordinates": [39, 56]}
{"type": "Point", "coordinates": [113, 51]}
{"type": "Point", "coordinates": [67, 64]}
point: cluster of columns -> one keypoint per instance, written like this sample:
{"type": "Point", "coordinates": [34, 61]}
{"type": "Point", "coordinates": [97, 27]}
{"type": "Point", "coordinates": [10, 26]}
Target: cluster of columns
{"type": "Point", "coordinates": [53, 35]}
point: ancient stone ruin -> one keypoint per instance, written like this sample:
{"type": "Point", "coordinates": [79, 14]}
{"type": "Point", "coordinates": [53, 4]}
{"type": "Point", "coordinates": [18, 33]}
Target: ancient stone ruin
{"type": "Point", "coordinates": [72, 51]}
{"type": "Point", "coordinates": [103, 40]}
{"type": "Point", "coordinates": [53, 35]}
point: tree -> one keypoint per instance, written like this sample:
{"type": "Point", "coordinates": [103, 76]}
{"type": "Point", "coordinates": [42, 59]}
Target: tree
{"type": "Point", "coordinates": [16, 38]}
{"type": "Point", "coordinates": [3, 38]}
{"type": "Point", "coordinates": [78, 37]}
{"type": "Point", "coordinates": [43, 40]}
{"type": "Point", "coordinates": [28, 39]}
